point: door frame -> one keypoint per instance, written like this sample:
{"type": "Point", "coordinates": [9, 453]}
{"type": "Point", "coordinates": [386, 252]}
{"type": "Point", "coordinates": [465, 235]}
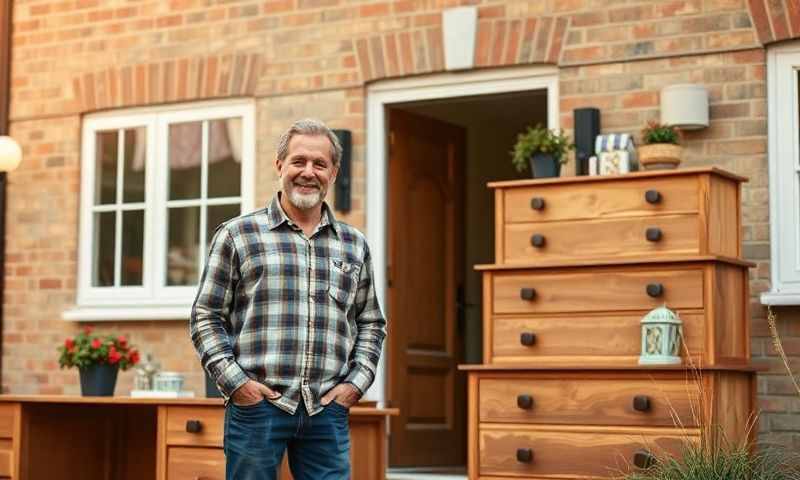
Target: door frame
{"type": "Point", "coordinates": [381, 95]}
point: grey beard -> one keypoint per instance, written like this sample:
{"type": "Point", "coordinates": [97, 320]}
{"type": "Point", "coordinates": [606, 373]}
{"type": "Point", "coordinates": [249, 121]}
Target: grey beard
{"type": "Point", "coordinates": [305, 202]}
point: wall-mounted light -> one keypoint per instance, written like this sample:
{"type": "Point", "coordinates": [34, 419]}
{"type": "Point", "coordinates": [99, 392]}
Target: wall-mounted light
{"type": "Point", "coordinates": [685, 106]}
{"type": "Point", "coordinates": [342, 187]}
{"type": "Point", "coordinates": [10, 154]}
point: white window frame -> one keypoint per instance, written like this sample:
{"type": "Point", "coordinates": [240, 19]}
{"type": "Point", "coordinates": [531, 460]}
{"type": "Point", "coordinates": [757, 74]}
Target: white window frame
{"type": "Point", "coordinates": [154, 300]}
{"type": "Point", "coordinates": [783, 64]}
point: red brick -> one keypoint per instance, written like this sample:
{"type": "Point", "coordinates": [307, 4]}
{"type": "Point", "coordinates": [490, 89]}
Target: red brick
{"type": "Point", "coordinates": [169, 21]}
{"type": "Point", "coordinates": [779, 25]}
{"type": "Point", "coordinates": [406, 53]}
{"type": "Point", "coordinates": [374, 10]}
{"type": "Point", "coordinates": [427, 20]}
{"type": "Point", "coordinates": [512, 44]}
{"type": "Point", "coordinates": [793, 14]}
{"type": "Point", "coordinates": [435, 50]}
{"type": "Point", "coordinates": [496, 11]}
{"type": "Point", "coordinates": [420, 53]}
{"type": "Point", "coordinates": [759, 13]}
{"type": "Point", "coordinates": [277, 6]}
{"type": "Point", "coordinates": [589, 19]}
{"type": "Point", "coordinates": [526, 48]}
{"type": "Point", "coordinates": [363, 57]}
{"type": "Point", "coordinates": [404, 6]}
{"type": "Point", "coordinates": [498, 43]}
{"type": "Point", "coordinates": [542, 38]}
{"type": "Point", "coordinates": [640, 100]}
{"type": "Point", "coordinates": [393, 63]}
{"type": "Point", "coordinates": [50, 284]}
{"type": "Point", "coordinates": [483, 43]}
{"type": "Point", "coordinates": [126, 12]}
{"type": "Point", "coordinates": [557, 40]}
{"type": "Point", "coordinates": [376, 56]}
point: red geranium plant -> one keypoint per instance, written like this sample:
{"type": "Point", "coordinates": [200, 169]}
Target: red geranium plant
{"type": "Point", "coordinates": [87, 348]}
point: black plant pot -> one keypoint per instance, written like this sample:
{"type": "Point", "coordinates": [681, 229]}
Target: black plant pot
{"type": "Point", "coordinates": [99, 380]}
{"type": "Point", "coordinates": [211, 388]}
{"type": "Point", "coordinates": [545, 165]}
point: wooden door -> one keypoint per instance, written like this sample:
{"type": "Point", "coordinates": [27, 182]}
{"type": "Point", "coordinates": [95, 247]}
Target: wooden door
{"type": "Point", "coordinates": [426, 273]}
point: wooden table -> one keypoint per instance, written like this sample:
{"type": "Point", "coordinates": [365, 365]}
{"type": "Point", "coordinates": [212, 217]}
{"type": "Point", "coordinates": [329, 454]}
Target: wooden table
{"type": "Point", "coordinates": [123, 438]}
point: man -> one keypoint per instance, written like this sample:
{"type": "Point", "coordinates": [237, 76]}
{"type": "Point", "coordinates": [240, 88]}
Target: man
{"type": "Point", "coordinates": [287, 322]}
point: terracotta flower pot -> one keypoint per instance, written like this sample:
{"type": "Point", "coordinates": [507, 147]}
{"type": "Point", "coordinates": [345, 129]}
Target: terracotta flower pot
{"type": "Point", "coordinates": [658, 156]}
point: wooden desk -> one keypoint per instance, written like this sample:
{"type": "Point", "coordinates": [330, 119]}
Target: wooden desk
{"type": "Point", "coordinates": [122, 438]}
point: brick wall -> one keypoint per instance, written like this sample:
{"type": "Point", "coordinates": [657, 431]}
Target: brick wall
{"type": "Point", "coordinates": [314, 57]}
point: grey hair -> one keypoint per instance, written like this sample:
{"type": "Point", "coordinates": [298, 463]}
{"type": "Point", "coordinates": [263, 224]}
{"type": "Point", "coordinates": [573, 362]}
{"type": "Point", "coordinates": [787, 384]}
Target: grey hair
{"type": "Point", "coordinates": [309, 126]}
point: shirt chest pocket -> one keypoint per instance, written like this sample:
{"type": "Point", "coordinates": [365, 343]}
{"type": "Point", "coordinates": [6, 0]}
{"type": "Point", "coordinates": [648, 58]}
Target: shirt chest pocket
{"type": "Point", "coordinates": [343, 281]}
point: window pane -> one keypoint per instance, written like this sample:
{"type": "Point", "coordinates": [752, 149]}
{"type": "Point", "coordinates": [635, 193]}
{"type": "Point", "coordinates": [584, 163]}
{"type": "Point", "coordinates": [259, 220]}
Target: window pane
{"type": "Point", "coordinates": [225, 158]}
{"type": "Point", "coordinates": [184, 241]}
{"type": "Point", "coordinates": [132, 247]}
{"type": "Point", "coordinates": [105, 234]}
{"type": "Point", "coordinates": [105, 165]}
{"type": "Point", "coordinates": [135, 154]}
{"type": "Point", "coordinates": [185, 145]}
{"type": "Point", "coordinates": [218, 214]}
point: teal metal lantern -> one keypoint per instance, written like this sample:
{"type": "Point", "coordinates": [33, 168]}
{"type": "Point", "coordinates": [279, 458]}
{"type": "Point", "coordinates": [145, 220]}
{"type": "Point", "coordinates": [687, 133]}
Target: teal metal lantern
{"type": "Point", "coordinates": [662, 331]}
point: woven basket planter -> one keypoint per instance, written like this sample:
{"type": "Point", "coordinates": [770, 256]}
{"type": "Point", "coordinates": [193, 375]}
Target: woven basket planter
{"type": "Point", "coordinates": [657, 156]}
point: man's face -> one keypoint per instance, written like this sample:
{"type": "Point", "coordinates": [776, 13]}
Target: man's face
{"type": "Point", "coordinates": [307, 171]}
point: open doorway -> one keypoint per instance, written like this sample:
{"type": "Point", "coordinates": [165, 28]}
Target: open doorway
{"type": "Point", "coordinates": [440, 223]}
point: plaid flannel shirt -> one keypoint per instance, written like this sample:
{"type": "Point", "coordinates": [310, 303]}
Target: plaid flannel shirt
{"type": "Point", "coordinates": [298, 314]}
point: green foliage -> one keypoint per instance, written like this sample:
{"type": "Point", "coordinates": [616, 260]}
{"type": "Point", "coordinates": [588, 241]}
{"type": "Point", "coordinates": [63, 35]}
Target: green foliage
{"type": "Point", "coordinates": [656, 133]}
{"type": "Point", "coordinates": [87, 349]}
{"type": "Point", "coordinates": [539, 140]}
{"type": "Point", "coordinates": [699, 463]}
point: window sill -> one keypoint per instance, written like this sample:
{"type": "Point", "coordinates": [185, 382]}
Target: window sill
{"type": "Point", "coordinates": [780, 298]}
{"type": "Point", "coordinates": [127, 312]}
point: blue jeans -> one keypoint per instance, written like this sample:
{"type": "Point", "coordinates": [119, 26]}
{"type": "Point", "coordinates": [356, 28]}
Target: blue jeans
{"type": "Point", "coordinates": [257, 436]}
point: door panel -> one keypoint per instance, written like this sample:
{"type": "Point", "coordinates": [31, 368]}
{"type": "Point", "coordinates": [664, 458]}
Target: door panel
{"type": "Point", "coordinates": [426, 271]}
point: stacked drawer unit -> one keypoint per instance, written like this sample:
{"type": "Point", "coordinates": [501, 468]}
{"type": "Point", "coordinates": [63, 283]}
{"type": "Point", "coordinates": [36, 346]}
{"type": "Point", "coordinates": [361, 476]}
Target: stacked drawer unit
{"type": "Point", "coordinates": [580, 262]}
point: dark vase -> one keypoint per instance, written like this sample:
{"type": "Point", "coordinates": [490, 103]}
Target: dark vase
{"type": "Point", "coordinates": [211, 388]}
{"type": "Point", "coordinates": [99, 380]}
{"type": "Point", "coordinates": [545, 165]}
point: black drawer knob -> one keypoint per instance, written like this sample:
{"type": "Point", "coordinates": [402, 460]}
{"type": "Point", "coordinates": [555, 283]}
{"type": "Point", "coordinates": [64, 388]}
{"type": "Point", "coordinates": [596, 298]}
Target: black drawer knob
{"type": "Point", "coordinates": [524, 455]}
{"type": "Point", "coordinates": [537, 203]}
{"type": "Point", "coordinates": [525, 402]}
{"type": "Point", "coordinates": [194, 426]}
{"type": "Point", "coordinates": [653, 234]}
{"type": "Point", "coordinates": [527, 338]}
{"type": "Point", "coordinates": [537, 240]}
{"type": "Point", "coordinates": [641, 403]}
{"type": "Point", "coordinates": [655, 289]}
{"type": "Point", "coordinates": [643, 459]}
{"type": "Point", "coordinates": [652, 197]}
{"type": "Point", "coordinates": [527, 293]}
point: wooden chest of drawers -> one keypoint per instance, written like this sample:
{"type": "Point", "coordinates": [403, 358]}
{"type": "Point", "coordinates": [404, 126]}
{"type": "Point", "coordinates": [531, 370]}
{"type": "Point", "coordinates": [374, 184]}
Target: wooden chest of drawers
{"type": "Point", "coordinates": [579, 262]}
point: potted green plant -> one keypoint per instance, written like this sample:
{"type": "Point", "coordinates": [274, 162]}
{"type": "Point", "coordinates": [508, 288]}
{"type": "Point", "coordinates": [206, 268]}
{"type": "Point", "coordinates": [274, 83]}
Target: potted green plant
{"type": "Point", "coordinates": [661, 149]}
{"type": "Point", "coordinates": [98, 358]}
{"type": "Point", "coordinates": [542, 149]}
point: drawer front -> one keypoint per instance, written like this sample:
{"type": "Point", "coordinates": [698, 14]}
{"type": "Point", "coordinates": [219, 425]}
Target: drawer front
{"type": "Point", "coordinates": [6, 462]}
{"type": "Point", "coordinates": [195, 464]}
{"type": "Point", "coordinates": [571, 399]}
{"type": "Point", "coordinates": [619, 238]}
{"type": "Point", "coordinates": [597, 290]}
{"type": "Point", "coordinates": [602, 453]}
{"type": "Point", "coordinates": [181, 426]}
{"type": "Point", "coordinates": [612, 339]}
{"type": "Point", "coordinates": [620, 198]}
{"type": "Point", "coordinates": [8, 412]}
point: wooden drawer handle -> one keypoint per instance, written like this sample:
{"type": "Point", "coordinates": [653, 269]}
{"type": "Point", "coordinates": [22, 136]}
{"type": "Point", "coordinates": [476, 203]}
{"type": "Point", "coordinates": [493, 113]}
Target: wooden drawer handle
{"type": "Point", "coordinates": [525, 402]}
{"type": "Point", "coordinates": [537, 240]}
{"type": "Point", "coordinates": [527, 338]}
{"type": "Point", "coordinates": [641, 403]}
{"type": "Point", "coordinates": [537, 203]}
{"type": "Point", "coordinates": [655, 289]}
{"type": "Point", "coordinates": [194, 426]}
{"type": "Point", "coordinates": [652, 197]}
{"type": "Point", "coordinates": [524, 455]}
{"type": "Point", "coordinates": [653, 234]}
{"type": "Point", "coordinates": [527, 293]}
{"type": "Point", "coordinates": [643, 459]}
